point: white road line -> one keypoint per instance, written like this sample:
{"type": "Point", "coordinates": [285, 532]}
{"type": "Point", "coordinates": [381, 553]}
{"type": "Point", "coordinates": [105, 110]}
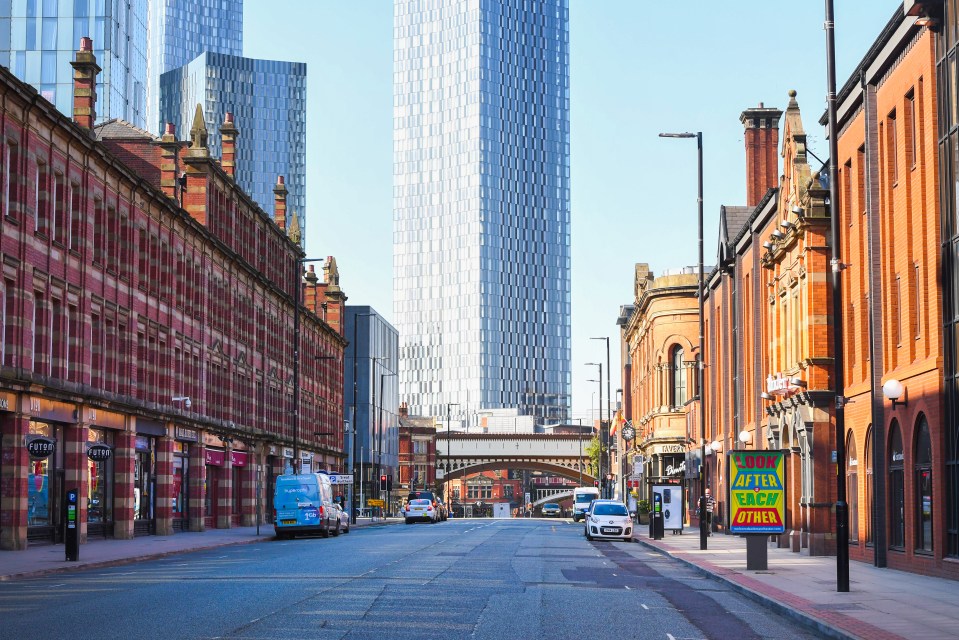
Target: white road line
{"type": "Point", "coordinates": [644, 607]}
{"type": "Point", "coordinates": [627, 587]}
{"type": "Point", "coordinates": [669, 636]}
{"type": "Point", "coordinates": [58, 585]}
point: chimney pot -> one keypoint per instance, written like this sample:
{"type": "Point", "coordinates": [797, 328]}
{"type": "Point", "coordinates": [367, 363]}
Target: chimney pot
{"type": "Point", "coordinates": [228, 118]}
{"type": "Point", "coordinates": [86, 43]}
{"type": "Point", "coordinates": [169, 129]}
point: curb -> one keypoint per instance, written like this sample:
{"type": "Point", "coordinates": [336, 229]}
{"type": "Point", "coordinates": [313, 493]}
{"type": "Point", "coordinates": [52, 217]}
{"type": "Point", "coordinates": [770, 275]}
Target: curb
{"type": "Point", "coordinates": [807, 620]}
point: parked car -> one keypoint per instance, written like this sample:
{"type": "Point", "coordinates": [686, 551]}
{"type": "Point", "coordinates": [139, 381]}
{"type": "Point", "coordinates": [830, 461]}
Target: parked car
{"type": "Point", "coordinates": [608, 519]}
{"type": "Point", "coordinates": [303, 503]}
{"type": "Point", "coordinates": [551, 510]}
{"type": "Point", "coordinates": [419, 509]}
{"type": "Point", "coordinates": [343, 517]}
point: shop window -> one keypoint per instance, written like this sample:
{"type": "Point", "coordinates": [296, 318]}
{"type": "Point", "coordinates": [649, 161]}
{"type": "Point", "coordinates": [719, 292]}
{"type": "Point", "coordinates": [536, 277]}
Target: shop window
{"type": "Point", "coordinates": [897, 490]}
{"type": "Point", "coordinates": [924, 486]}
{"type": "Point", "coordinates": [100, 486]}
{"type": "Point", "coordinates": [852, 487]}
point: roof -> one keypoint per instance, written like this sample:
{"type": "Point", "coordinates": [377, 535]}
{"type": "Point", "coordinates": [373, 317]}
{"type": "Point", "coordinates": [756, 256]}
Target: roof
{"type": "Point", "coordinates": [121, 129]}
{"type": "Point", "coordinates": [731, 220]}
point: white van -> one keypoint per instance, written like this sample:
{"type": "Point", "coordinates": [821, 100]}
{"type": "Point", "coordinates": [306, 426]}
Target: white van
{"type": "Point", "coordinates": [304, 504]}
{"type": "Point", "coordinates": [582, 496]}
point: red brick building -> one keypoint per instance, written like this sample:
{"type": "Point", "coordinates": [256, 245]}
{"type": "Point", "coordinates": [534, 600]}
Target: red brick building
{"type": "Point", "coordinates": [417, 453]}
{"type": "Point", "coordinates": [147, 306]}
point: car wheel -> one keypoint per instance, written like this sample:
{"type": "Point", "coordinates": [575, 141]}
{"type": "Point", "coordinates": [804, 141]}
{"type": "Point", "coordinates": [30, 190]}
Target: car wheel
{"type": "Point", "coordinates": [347, 530]}
{"type": "Point", "coordinates": [336, 531]}
{"type": "Point", "coordinates": [325, 532]}
{"type": "Point", "coordinates": [589, 537]}
{"type": "Point", "coordinates": [408, 521]}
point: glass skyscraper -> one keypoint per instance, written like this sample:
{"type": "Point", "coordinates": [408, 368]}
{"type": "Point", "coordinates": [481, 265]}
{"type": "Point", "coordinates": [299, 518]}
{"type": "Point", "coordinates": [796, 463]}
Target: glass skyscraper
{"type": "Point", "coordinates": [268, 100]}
{"type": "Point", "coordinates": [38, 39]}
{"type": "Point", "coordinates": [482, 205]}
{"type": "Point", "coordinates": [179, 31]}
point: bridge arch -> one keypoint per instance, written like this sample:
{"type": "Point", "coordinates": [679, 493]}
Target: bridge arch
{"type": "Point", "coordinates": [533, 465]}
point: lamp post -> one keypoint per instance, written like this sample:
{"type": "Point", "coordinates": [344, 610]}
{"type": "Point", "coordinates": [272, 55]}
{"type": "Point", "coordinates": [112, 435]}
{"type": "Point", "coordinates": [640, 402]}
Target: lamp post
{"type": "Point", "coordinates": [602, 478]}
{"type": "Point", "coordinates": [842, 508]}
{"type": "Point", "coordinates": [379, 460]}
{"type": "Point", "coordinates": [353, 421]}
{"type": "Point", "coordinates": [297, 291]}
{"type": "Point", "coordinates": [702, 339]}
{"type": "Point", "coordinates": [449, 464]}
{"type": "Point", "coordinates": [609, 405]}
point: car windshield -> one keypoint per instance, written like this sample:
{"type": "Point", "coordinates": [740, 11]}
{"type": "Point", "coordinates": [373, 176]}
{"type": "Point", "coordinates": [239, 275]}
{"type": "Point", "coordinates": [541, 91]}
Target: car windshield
{"type": "Point", "coordinates": [585, 497]}
{"type": "Point", "coordinates": [420, 503]}
{"type": "Point", "coordinates": [551, 506]}
{"type": "Point", "coordinates": [610, 510]}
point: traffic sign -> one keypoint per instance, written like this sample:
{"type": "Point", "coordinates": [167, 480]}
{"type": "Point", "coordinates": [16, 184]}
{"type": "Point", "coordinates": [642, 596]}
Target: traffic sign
{"type": "Point", "coordinates": [341, 478]}
{"type": "Point", "coordinates": [374, 502]}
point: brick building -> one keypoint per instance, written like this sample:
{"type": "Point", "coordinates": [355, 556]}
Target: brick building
{"type": "Point", "coordinates": [147, 309]}
{"type": "Point", "coordinates": [417, 453]}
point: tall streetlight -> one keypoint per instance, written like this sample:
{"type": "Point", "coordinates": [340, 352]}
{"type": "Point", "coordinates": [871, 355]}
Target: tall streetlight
{"type": "Point", "coordinates": [609, 406]}
{"type": "Point", "coordinates": [297, 291]}
{"type": "Point", "coordinates": [353, 421]}
{"type": "Point", "coordinates": [449, 463]}
{"type": "Point", "coordinates": [842, 508]}
{"type": "Point", "coordinates": [379, 459]}
{"type": "Point", "coordinates": [702, 340]}
{"type": "Point", "coordinates": [602, 478]}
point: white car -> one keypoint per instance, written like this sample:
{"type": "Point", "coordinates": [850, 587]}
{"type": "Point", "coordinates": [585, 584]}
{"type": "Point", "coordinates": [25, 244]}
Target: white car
{"type": "Point", "coordinates": [608, 519]}
{"type": "Point", "coordinates": [420, 509]}
{"type": "Point", "coordinates": [344, 519]}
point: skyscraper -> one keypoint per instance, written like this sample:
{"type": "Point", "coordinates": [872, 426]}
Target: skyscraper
{"type": "Point", "coordinates": [179, 31]}
{"type": "Point", "coordinates": [39, 37]}
{"type": "Point", "coordinates": [268, 101]}
{"type": "Point", "coordinates": [482, 205]}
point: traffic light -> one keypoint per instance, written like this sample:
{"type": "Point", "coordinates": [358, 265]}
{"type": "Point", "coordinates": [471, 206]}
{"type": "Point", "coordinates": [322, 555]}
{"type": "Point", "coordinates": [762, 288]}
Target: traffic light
{"type": "Point", "coordinates": [383, 486]}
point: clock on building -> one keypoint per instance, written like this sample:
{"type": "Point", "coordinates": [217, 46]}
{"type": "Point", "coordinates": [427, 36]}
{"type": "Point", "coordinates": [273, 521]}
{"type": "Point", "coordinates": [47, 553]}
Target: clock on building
{"type": "Point", "coordinates": [629, 432]}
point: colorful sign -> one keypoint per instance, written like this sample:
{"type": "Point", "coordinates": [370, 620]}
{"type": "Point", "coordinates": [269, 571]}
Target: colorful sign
{"type": "Point", "coordinates": [756, 492]}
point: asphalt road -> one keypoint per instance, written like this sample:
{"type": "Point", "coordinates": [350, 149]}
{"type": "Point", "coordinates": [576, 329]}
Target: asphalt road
{"type": "Point", "coordinates": [485, 579]}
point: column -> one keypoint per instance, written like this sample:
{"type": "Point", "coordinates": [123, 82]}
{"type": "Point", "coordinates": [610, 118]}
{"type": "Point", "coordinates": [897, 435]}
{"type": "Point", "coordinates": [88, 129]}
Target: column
{"type": "Point", "coordinates": [13, 482]}
{"type": "Point", "coordinates": [124, 458]}
{"type": "Point", "coordinates": [164, 484]}
{"type": "Point", "coordinates": [197, 486]}
{"type": "Point", "coordinates": [76, 468]}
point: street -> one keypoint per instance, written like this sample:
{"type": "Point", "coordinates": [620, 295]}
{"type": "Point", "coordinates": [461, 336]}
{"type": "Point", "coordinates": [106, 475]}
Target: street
{"type": "Point", "coordinates": [477, 578]}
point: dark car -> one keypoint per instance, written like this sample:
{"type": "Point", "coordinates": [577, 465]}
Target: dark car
{"type": "Point", "coordinates": [551, 510]}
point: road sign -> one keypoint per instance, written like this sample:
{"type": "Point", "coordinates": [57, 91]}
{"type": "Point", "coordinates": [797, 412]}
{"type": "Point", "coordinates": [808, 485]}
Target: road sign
{"type": "Point", "coordinates": [341, 478]}
{"type": "Point", "coordinates": [374, 502]}
{"type": "Point", "coordinates": [756, 492]}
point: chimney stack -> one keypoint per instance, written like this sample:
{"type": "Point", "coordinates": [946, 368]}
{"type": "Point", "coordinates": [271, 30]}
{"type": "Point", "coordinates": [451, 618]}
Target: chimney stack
{"type": "Point", "coordinates": [169, 149]}
{"type": "Point", "coordinates": [404, 410]}
{"type": "Point", "coordinates": [279, 203]}
{"type": "Point", "coordinates": [762, 151]}
{"type": "Point", "coordinates": [228, 134]}
{"type": "Point", "coordinates": [85, 70]}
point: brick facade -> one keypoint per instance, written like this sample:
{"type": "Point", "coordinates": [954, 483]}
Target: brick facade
{"type": "Point", "coordinates": [158, 324]}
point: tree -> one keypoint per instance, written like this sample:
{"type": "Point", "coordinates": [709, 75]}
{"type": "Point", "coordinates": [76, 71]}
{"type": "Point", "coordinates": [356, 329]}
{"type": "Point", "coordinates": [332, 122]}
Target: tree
{"type": "Point", "coordinates": [593, 451]}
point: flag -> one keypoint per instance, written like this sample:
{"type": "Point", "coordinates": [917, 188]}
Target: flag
{"type": "Point", "coordinates": [617, 423]}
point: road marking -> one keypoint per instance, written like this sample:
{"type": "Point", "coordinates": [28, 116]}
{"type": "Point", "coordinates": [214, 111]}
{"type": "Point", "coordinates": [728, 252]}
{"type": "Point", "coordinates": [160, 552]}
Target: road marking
{"type": "Point", "coordinates": [669, 636]}
{"type": "Point", "coordinates": [615, 575]}
{"type": "Point", "coordinates": [644, 607]}
{"type": "Point", "coordinates": [627, 587]}
{"type": "Point", "coordinates": [58, 585]}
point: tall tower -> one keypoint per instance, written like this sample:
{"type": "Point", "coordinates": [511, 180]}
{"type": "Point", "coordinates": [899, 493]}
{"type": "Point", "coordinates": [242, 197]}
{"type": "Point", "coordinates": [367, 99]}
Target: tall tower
{"type": "Point", "coordinates": [38, 39]}
{"type": "Point", "coordinates": [481, 205]}
{"type": "Point", "coordinates": [179, 31]}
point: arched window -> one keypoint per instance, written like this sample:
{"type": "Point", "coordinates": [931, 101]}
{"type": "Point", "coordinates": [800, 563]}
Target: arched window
{"type": "Point", "coordinates": [924, 494]}
{"type": "Point", "coordinates": [869, 501]}
{"type": "Point", "coordinates": [852, 487]}
{"type": "Point", "coordinates": [897, 490]}
{"type": "Point", "coordinates": [677, 374]}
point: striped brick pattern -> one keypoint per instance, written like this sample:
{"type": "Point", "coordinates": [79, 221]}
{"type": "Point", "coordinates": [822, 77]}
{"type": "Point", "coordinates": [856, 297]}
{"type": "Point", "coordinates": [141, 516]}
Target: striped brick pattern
{"type": "Point", "coordinates": [224, 496]}
{"type": "Point", "coordinates": [124, 457]}
{"type": "Point", "coordinates": [13, 482]}
{"type": "Point", "coordinates": [248, 493]}
{"type": "Point", "coordinates": [197, 483]}
{"type": "Point", "coordinates": [77, 469]}
{"type": "Point", "coordinates": [164, 486]}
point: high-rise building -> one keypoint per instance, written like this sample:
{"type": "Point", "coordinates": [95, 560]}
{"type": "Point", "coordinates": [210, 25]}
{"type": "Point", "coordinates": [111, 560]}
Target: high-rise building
{"type": "Point", "coordinates": [179, 31]}
{"type": "Point", "coordinates": [39, 37]}
{"type": "Point", "coordinates": [268, 101]}
{"type": "Point", "coordinates": [482, 205]}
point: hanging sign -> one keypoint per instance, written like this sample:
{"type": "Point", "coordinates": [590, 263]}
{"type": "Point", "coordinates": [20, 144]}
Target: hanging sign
{"type": "Point", "coordinates": [99, 452]}
{"type": "Point", "coordinates": [41, 447]}
{"type": "Point", "coordinates": [756, 492]}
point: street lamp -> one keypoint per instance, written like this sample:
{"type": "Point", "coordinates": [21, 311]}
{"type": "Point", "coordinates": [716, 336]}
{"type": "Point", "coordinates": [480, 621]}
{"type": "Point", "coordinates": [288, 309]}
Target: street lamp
{"type": "Point", "coordinates": [298, 286]}
{"type": "Point", "coordinates": [602, 478]}
{"type": "Point", "coordinates": [842, 508]}
{"type": "Point", "coordinates": [353, 421]}
{"type": "Point", "coordinates": [379, 459]}
{"type": "Point", "coordinates": [449, 463]}
{"type": "Point", "coordinates": [609, 404]}
{"type": "Point", "coordinates": [702, 339]}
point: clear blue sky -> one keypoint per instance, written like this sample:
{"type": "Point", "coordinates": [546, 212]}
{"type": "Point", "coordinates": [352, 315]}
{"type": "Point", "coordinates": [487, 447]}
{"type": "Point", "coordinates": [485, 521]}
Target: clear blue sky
{"type": "Point", "coordinates": [637, 68]}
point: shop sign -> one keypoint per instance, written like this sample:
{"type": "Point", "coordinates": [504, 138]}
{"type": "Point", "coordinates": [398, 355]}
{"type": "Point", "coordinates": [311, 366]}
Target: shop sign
{"type": "Point", "coordinates": [214, 457]}
{"type": "Point", "coordinates": [6, 401]}
{"type": "Point", "coordinates": [779, 384]}
{"type": "Point", "coordinates": [756, 492]}
{"type": "Point", "coordinates": [238, 458]}
{"type": "Point", "coordinates": [673, 448]}
{"type": "Point", "coordinates": [99, 452]}
{"type": "Point", "coordinates": [41, 447]}
{"type": "Point", "coordinates": [287, 452]}
{"type": "Point", "coordinates": [188, 435]}
{"type": "Point", "coordinates": [676, 470]}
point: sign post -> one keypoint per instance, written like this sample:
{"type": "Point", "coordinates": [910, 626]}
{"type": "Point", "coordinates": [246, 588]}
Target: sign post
{"type": "Point", "coordinates": [756, 501]}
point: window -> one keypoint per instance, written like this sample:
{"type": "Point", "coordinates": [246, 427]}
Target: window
{"type": "Point", "coordinates": [869, 500]}
{"type": "Point", "coordinates": [898, 310]}
{"type": "Point", "coordinates": [42, 201]}
{"type": "Point", "coordinates": [913, 133]}
{"type": "Point", "coordinates": [11, 177]}
{"type": "Point", "coordinates": [852, 488]}
{"type": "Point", "coordinates": [99, 231]}
{"type": "Point", "coordinates": [60, 230]}
{"type": "Point", "coordinates": [897, 502]}
{"type": "Point", "coordinates": [918, 291]}
{"type": "Point", "coordinates": [924, 492]}
{"type": "Point", "coordinates": [75, 217]}
{"type": "Point", "coordinates": [892, 148]}
{"type": "Point", "coordinates": [677, 375]}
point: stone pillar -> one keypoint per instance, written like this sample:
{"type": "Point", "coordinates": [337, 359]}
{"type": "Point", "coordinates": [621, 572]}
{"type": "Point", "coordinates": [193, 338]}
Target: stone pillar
{"type": "Point", "coordinates": [164, 484]}
{"type": "Point", "coordinates": [124, 459]}
{"type": "Point", "coordinates": [13, 481]}
{"type": "Point", "coordinates": [224, 499]}
{"type": "Point", "coordinates": [197, 487]}
{"type": "Point", "coordinates": [76, 468]}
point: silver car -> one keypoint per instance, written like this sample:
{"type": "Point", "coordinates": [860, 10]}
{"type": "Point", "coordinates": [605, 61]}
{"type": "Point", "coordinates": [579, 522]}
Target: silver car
{"type": "Point", "coordinates": [420, 509]}
{"type": "Point", "coordinates": [343, 520]}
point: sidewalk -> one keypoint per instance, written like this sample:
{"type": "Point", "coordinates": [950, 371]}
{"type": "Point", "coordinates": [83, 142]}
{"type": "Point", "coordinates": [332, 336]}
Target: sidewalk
{"type": "Point", "coordinates": [46, 559]}
{"type": "Point", "coordinates": [882, 604]}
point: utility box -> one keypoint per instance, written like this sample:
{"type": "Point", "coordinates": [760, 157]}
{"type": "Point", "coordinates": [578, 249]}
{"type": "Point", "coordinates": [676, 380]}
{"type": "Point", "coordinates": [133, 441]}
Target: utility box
{"type": "Point", "coordinates": [502, 510]}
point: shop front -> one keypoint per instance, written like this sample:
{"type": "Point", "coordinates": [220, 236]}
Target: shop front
{"type": "Point", "coordinates": [215, 461]}
{"type": "Point", "coordinates": [100, 482]}
{"type": "Point", "coordinates": [45, 477]}
{"type": "Point", "coordinates": [183, 443]}
{"type": "Point", "coordinates": [239, 467]}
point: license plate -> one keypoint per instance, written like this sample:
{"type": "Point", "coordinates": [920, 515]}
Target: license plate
{"type": "Point", "coordinates": [287, 521]}
{"type": "Point", "coordinates": [610, 530]}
